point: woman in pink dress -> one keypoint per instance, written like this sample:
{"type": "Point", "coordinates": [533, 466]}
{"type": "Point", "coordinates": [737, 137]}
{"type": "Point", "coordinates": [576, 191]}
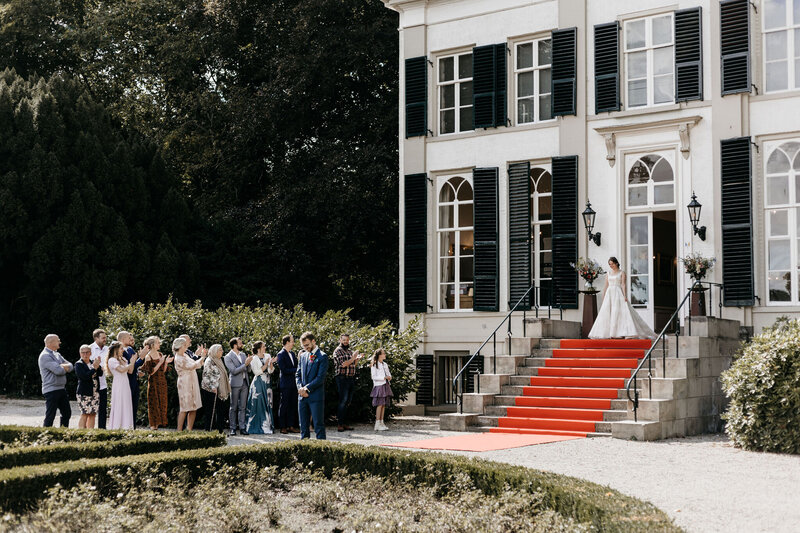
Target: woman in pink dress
{"type": "Point", "coordinates": [121, 403]}
{"type": "Point", "coordinates": [188, 385]}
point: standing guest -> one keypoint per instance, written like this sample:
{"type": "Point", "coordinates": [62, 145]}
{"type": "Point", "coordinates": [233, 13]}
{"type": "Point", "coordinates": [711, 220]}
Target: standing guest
{"type": "Point", "coordinates": [128, 341]}
{"type": "Point", "coordinates": [100, 351]}
{"type": "Point", "coordinates": [155, 367]}
{"type": "Point", "coordinates": [188, 386]}
{"type": "Point", "coordinates": [237, 363]}
{"type": "Point", "coordinates": [259, 400]}
{"type": "Point", "coordinates": [53, 369]}
{"type": "Point", "coordinates": [88, 373]}
{"type": "Point", "coordinates": [189, 351]}
{"type": "Point", "coordinates": [345, 364]}
{"type": "Point", "coordinates": [381, 391]}
{"type": "Point", "coordinates": [310, 381]}
{"type": "Point", "coordinates": [287, 363]}
{"type": "Point", "coordinates": [215, 390]}
{"type": "Point", "coordinates": [118, 368]}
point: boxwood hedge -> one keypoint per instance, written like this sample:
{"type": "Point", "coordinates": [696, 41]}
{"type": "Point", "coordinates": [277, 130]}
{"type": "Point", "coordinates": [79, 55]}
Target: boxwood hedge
{"type": "Point", "coordinates": [11, 436]}
{"type": "Point", "coordinates": [604, 508]}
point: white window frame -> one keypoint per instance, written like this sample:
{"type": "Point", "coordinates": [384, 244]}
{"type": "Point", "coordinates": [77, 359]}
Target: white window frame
{"type": "Point", "coordinates": [669, 158]}
{"type": "Point", "coordinates": [649, 48]}
{"type": "Point", "coordinates": [791, 59]}
{"type": "Point", "coordinates": [792, 207]}
{"type": "Point", "coordinates": [456, 81]}
{"type": "Point", "coordinates": [536, 69]}
{"type": "Point", "coordinates": [456, 229]}
{"type": "Point", "coordinates": [536, 225]}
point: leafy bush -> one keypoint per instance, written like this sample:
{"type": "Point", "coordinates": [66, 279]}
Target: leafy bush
{"type": "Point", "coordinates": [270, 323]}
{"type": "Point", "coordinates": [21, 436]}
{"type": "Point", "coordinates": [583, 501]}
{"type": "Point", "coordinates": [135, 444]}
{"type": "Point", "coordinates": [763, 385]}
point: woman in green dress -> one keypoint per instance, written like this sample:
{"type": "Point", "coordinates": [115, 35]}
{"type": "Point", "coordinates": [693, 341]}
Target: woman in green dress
{"type": "Point", "coordinates": [259, 399]}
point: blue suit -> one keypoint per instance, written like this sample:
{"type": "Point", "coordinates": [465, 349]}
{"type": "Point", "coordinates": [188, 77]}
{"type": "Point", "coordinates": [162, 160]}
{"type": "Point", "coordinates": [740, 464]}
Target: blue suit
{"type": "Point", "coordinates": [133, 379]}
{"type": "Point", "coordinates": [311, 374]}
{"type": "Point", "coordinates": [287, 412]}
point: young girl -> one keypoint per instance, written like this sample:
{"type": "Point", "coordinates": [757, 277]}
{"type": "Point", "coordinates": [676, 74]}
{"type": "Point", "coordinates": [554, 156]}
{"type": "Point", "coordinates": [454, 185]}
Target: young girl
{"type": "Point", "coordinates": [381, 391]}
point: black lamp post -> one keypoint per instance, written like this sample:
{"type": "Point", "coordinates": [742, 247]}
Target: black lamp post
{"type": "Point", "coordinates": [588, 221]}
{"type": "Point", "coordinates": [694, 208]}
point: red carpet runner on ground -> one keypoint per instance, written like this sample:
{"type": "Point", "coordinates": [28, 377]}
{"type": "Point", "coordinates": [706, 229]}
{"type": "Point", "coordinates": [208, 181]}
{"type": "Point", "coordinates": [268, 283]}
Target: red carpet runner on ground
{"type": "Point", "coordinates": [481, 442]}
{"type": "Point", "coordinates": [574, 387]}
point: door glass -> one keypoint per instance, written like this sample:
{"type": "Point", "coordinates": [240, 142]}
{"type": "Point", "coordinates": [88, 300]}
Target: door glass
{"type": "Point", "coordinates": [639, 254]}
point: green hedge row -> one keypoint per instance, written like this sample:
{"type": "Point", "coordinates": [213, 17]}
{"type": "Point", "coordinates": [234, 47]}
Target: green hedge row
{"type": "Point", "coordinates": [605, 508]}
{"type": "Point", "coordinates": [137, 444]}
{"type": "Point", "coordinates": [11, 434]}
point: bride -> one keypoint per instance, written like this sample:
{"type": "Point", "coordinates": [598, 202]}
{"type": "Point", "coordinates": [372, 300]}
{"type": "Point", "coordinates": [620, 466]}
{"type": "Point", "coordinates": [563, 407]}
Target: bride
{"type": "Point", "coordinates": [617, 318]}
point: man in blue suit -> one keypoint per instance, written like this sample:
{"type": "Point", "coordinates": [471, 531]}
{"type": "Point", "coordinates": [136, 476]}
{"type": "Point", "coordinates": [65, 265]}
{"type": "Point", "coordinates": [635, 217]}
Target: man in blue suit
{"type": "Point", "coordinates": [310, 380]}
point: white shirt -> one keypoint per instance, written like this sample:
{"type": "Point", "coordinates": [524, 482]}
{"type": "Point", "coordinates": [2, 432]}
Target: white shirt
{"type": "Point", "coordinates": [102, 353]}
{"type": "Point", "coordinates": [379, 374]}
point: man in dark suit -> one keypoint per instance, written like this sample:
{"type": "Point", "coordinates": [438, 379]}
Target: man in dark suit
{"type": "Point", "coordinates": [310, 379]}
{"type": "Point", "coordinates": [128, 352]}
{"type": "Point", "coordinates": [287, 363]}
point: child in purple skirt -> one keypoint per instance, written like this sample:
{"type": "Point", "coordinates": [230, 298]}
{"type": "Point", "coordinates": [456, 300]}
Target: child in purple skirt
{"type": "Point", "coordinates": [381, 391]}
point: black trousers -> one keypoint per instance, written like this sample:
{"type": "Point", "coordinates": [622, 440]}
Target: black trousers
{"type": "Point", "coordinates": [56, 399]}
{"type": "Point", "coordinates": [135, 402]}
{"type": "Point", "coordinates": [219, 411]}
{"type": "Point", "coordinates": [287, 414]}
{"type": "Point", "coordinates": [102, 410]}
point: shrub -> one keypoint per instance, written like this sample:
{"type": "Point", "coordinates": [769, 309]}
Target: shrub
{"type": "Point", "coordinates": [137, 444]}
{"type": "Point", "coordinates": [270, 323]}
{"type": "Point", "coordinates": [19, 436]}
{"type": "Point", "coordinates": [763, 385]}
{"type": "Point", "coordinates": [586, 502]}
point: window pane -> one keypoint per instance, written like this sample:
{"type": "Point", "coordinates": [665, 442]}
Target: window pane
{"type": "Point", "coordinates": [545, 108]}
{"type": "Point", "coordinates": [446, 69]}
{"type": "Point", "coordinates": [525, 110]}
{"type": "Point", "coordinates": [797, 11]}
{"type": "Point", "coordinates": [446, 300]}
{"type": "Point", "coordinates": [545, 236]}
{"type": "Point", "coordinates": [447, 96]}
{"type": "Point", "coordinates": [545, 207]}
{"type": "Point", "coordinates": [637, 196]}
{"type": "Point", "coordinates": [663, 194]}
{"type": "Point", "coordinates": [525, 55]}
{"type": "Point", "coordinates": [634, 34]}
{"type": "Point", "coordinates": [637, 93]}
{"type": "Point", "coordinates": [448, 119]}
{"type": "Point", "coordinates": [638, 227]}
{"type": "Point", "coordinates": [465, 192]}
{"type": "Point", "coordinates": [544, 81]}
{"type": "Point", "coordinates": [663, 60]}
{"type": "Point", "coordinates": [778, 223]}
{"type": "Point", "coordinates": [545, 52]}
{"type": "Point", "coordinates": [640, 262]}
{"type": "Point", "coordinates": [662, 86]}
{"type": "Point", "coordinates": [774, 13]}
{"type": "Point", "coordinates": [465, 93]}
{"type": "Point", "coordinates": [637, 65]}
{"type": "Point", "coordinates": [525, 84]}
{"type": "Point", "coordinates": [447, 244]}
{"type": "Point", "coordinates": [778, 255]}
{"type": "Point", "coordinates": [780, 286]}
{"type": "Point", "coordinates": [546, 264]}
{"type": "Point", "coordinates": [778, 190]}
{"type": "Point", "coordinates": [638, 174]}
{"type": "Point", "coordinates": [639, 290]}
{"type": "Point", "coordinates": [467, 269]}
{"type": "Point", "coordinates": [464, 215]}
{"type": "Point", "coordinates": [465, 295]}
{"type": "Point", "coordinates": [797, 36]}
{"type": "Point", "coordinates": [545, 183]}
{"type": "Point", "coordinates": [776, 45]}
{"type": "Point", "coordinates": [662, 171]}
{"type": "Point", "coordinates": [777, 76]}
{"type": "Point", "coordinates": [467, 242]}
{"type": "Point", "coordinates": [465, 116]}
{"type": "Point", "coordinates": [465, 66]}
{"type": "Point", "coordinates": [777, 163]}
{"type": "Point", "coordinates": [448, 271]}
{"type": "Point", "coordinates": [662, 30]}
{"type": "Point", "coordinates": [445, 216]}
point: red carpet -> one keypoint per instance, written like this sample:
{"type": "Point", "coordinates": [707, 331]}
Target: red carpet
{"type": "Point", "coordinates": [568, 395]}
{"type": "Point", "coordinates": [484, 442]}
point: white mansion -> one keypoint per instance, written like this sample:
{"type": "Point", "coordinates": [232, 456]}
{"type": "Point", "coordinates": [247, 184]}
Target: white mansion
{"type": "Point", "coordinates": [516, 113]}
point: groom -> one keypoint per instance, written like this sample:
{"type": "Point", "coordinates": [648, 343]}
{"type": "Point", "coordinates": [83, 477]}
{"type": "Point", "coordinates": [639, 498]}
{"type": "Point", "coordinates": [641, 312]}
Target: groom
{"type": "Point", "coordinates": [311, 371]}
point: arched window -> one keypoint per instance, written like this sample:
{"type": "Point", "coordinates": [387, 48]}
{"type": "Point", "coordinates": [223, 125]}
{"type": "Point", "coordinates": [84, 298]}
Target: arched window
{"type": "Point", "coordinates": [542, 232]}
{"type": "Point", "coordinates": [782, 182]}
{"type": "Point", "coordinates": [651, 182]}
{"type": "Point", "coordinates": [456, 243]}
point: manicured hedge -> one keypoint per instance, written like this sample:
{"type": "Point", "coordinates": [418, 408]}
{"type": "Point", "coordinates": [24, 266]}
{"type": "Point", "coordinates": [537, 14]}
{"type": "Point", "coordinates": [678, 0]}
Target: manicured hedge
{"type": "Point", "coordinates": [10, 434]}
{"type": "Point", "coordinates": [137, 444]}
{"type": "Point", "coordinates": [604, 508]}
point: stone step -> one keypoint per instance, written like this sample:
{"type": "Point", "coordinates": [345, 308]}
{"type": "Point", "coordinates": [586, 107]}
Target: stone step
{"type": "Point", "coordinates": [487, 429]}
{"type": "Point", "coordinates": [552, 328]}
{"type": "Point", "coordinates": [608, 416]}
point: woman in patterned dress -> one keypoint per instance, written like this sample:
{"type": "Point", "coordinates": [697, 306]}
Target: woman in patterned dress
{"type": "Point", "coordinates": [155, 366]}
{"type": "Point", "coordinates": [188, 385]}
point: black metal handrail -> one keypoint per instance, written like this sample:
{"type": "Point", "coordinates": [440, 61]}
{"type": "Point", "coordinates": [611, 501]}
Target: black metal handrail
{"type": "Point", "coordinates": [662, 338]}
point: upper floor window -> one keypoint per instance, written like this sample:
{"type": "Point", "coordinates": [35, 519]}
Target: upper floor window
{"type": "Point", "coordinates": [651, 181]}
{"type": "Point", "coordinates": [455, 93]}
{"type": "Point", "coordinates": [649, 61]}
{"type": "Point", "coordinates": [456, 244]}
{"type": "Point", "coordinates": [532, 61]}
{"type": "Point", "coordinates": [783, 222]}
{"type": "Point", "coordinates": [781, 44]}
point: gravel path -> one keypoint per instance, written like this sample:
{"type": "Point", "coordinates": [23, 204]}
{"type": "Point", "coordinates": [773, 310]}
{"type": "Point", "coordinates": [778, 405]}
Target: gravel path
{"type": "Point", "coordinates": [703, 483]}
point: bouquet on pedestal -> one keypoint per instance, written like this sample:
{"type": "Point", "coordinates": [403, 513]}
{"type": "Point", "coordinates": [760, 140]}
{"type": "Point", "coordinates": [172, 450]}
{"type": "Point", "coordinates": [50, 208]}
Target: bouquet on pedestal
{"type": "Point", "coordinates": [589, 270]}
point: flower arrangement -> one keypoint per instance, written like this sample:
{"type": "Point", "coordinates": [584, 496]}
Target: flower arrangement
{"type": "Point", "coordinates": [697, 266]}
{"type": "Point", "coordinates": [588, 269]}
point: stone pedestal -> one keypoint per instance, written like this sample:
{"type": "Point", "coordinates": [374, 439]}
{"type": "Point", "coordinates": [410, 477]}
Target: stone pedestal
{"type": "Point", "coordinates": [698, 307]}
{"type": "Point", "coordinates": [589, 311]}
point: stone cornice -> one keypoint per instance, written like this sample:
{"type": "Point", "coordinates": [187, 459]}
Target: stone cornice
{"type": "Point", "coordinates": [682, 124]}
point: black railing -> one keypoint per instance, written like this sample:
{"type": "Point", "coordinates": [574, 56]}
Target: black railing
{"type": "Point", "coordinates": [662, 338]}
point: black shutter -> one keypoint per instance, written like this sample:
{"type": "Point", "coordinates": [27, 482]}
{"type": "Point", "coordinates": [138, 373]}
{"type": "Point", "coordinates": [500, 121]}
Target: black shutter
{"type": "Point", "coordinates": [564, 71]}
{"type": "Point", "coordinates": [689, 54]}
{"type": "Point", "coordinates": [484, 182]}
{"type": "Point", "coordinates": [500, 77]}
{"type": "Point", "coordinates": [469, 375]}
{"type": "Point", "coordinates": [735, 45]}
{"type": "Point", "coordinates": [606, 67]}
{"type": "Point", "coordinates": [489, 85]}
{"type": "Point", "coordinates": [416, 243]}
{"type": "Point", "coordinates": [519, 232]}
{"type": "Point", "coordinates": [425, 379]}
{"type": "Point", "coordinates": [737, 227]}
{"type": "Point", "coordinates": [416, 96]}
{"type": "Point", "coordinates": [565, 231]}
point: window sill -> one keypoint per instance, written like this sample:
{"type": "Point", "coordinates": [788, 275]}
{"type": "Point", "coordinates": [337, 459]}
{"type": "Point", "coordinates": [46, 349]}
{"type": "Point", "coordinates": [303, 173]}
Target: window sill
{"type": "Point", "coordinates": [493, 131]}
{"type": "Point", "coordinates": [777, 95]}
{"type": "Point", "coordinates": [777, 307]}
{"type": "Point", "coordinates": [652, 110]}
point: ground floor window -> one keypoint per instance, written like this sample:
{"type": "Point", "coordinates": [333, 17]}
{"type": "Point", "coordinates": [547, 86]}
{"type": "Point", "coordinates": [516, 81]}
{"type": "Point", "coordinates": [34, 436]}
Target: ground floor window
{"type": "Point", "coordinates": [456, 243]}
{"type": "Point", "coordinates": [782, 222]}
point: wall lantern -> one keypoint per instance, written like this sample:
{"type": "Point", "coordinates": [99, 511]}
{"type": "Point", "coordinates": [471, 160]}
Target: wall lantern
{"type": "Point", "coordinates": [694, 208]}
{"type": "Point", "coordinates": [588, 221]}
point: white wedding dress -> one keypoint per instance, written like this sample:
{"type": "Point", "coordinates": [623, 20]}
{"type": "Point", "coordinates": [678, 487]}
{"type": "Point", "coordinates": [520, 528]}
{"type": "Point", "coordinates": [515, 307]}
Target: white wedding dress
{"type": "Point", "coordinates": [617, 318]}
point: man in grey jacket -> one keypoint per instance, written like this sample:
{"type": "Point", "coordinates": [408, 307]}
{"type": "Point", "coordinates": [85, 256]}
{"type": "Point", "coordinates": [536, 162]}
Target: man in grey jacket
{"type": "Point", "coordinates": [237, 364]}
{"type": "Point", "coordinates": [54, 370]}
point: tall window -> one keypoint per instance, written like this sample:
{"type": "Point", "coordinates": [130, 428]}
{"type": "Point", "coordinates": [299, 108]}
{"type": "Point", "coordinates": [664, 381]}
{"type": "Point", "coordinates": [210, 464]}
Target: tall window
{"type": "Point", "coordinates": [542, 232]}
{"type": "Point", "coordinates": [456, 243]}
{"type": "Point", "coordinates": [532, 74]}
{"type": "Point", "coordinates": [783, 222]}
{"type": "Point", "coordinates": [455, 93]}
{"type": "Point", "coordinates": [651, 181]}
{"type": "Point", "coordinates": [649, 61]}
{"type": "Point", "coordinates": [781, 44]}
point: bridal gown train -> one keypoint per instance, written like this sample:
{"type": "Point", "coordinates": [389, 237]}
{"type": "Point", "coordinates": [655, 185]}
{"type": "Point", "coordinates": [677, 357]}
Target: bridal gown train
{"type": "Point", "coordinates": [617, 318]}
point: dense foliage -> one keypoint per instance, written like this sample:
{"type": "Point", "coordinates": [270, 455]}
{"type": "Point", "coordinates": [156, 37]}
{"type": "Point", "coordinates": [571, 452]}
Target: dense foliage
{"type": "Point", "coordinates": [277, 125]}
{"type": "Point", "coordinates": [763, 385]}
{"type": "Point", "coordinates": [269, 324]}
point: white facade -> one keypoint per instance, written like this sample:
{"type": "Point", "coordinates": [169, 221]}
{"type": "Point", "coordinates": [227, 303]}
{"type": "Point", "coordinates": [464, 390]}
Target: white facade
{"type": "Point", "coordinates": [683, 138]}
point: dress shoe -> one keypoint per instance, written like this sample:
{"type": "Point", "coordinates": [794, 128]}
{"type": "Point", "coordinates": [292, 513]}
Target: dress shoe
{"type": "Point", "coordinates": [341, 428]}
{"type": "Point", "coordinates": [348, 428]}
{"type": "Point", "coordinates": [294, 430]}
{"type": "Point", "coordinates": [284, 431]}
{"type": "Point", "coordinates": [243, 432]}
{"type": "Point", "coordinates": [232, 433]}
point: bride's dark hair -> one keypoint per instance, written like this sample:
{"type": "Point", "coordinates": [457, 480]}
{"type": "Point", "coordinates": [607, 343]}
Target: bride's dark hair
{"type": "Point", "coordinates": [613, 259]}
